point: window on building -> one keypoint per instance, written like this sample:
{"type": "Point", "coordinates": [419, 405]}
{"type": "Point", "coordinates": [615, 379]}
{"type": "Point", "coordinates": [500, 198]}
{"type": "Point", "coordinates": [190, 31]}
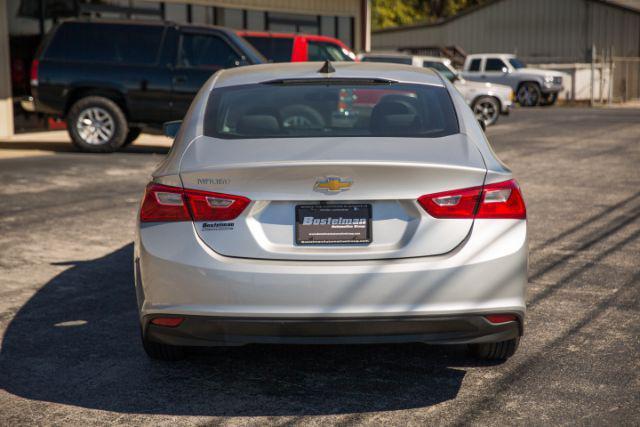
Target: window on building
{"type": "Point", "coordinates": [206, 51]}
{"type": "Point", "coordinates": [494, 64]}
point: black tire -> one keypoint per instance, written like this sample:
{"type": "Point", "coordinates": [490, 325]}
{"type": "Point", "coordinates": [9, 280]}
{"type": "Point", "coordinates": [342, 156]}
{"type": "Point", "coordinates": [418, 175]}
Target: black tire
{"type": "Point", "coordinates": [487, 108]}
{"type": "Point", "coordinates": [133, 134]}
{"type": "Point", "coordinates": [106, 133]}
{"type": "Point", "coordinates": [156, 350]}
{"type": "Point", "coordinates": [528, 94]}
{"type": "Point", "coordinates": [495, 350]}
{"type": "Point", "coordinates": [549, 99]}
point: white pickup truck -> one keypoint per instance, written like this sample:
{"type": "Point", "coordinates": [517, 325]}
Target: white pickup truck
{"type": "Point", "coordinates": [486, 100]}
{"type": "Point", "coordinates": [532, 86]}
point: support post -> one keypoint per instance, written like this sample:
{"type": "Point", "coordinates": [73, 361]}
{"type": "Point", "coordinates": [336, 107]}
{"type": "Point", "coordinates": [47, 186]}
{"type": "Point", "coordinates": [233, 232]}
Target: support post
{"type": "Point", "coordinates": [6, 99]}
{"type": "Point", "coordinates": [593, 73]}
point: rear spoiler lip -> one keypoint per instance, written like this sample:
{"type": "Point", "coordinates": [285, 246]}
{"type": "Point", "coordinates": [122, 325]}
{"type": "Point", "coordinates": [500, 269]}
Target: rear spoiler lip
{"type": "Point", "coordinates": [331, 81]}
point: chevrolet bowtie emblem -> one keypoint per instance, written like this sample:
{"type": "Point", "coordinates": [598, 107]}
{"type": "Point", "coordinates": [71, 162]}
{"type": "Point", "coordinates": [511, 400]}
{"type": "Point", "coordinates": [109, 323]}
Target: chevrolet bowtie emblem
{"type": "Point", "coordinates": [332, 184]}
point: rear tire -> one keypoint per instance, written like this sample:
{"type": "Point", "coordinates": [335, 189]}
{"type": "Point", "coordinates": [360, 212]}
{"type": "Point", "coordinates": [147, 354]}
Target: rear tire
{"type": "Point", "coordinates": [97, 125]}
{"type": "Point", "coordinates": [528, 94]}
{"type": "Point", "coordinates": [133, 134]}
{"type": "Point", "coordinates": [495, 350]}
{"type": "Point", "coordinates": [487, 108]}
{"type": "Point", "coordinates": [166, 352]}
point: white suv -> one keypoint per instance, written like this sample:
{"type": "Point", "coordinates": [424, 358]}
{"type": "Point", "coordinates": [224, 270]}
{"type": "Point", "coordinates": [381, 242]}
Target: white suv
{"type": "Point", "coordinates": [487, 100]}
{"type": "Point", "coordinates": [532, 86]}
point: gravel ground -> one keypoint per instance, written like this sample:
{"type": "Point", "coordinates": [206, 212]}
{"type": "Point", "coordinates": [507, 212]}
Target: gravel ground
{"type": "Point", "coordinates": [70, 352]}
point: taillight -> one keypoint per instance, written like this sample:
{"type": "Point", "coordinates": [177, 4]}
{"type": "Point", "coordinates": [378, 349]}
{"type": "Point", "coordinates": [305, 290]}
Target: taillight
{"type": "Point", "coordinates": [207, 206]}
{"type": "Point", "coordinates": [163, 203]}
{"type": "Point", "coordinates": [33, 73]}
{"type": "Point", "coordinates": [499, 200]}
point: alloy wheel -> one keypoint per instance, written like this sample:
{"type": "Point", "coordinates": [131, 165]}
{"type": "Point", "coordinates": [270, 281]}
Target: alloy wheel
{"type": "Point", "coordinates": [95, 126]}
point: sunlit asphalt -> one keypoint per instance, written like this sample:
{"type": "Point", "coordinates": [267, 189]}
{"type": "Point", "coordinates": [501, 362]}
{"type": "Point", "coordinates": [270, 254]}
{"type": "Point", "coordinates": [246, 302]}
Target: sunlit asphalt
{"type": "Point", "coordinates": [70, 352]}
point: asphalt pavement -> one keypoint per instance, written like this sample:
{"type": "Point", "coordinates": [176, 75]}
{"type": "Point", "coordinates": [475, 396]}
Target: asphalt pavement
{"type": "Point", "coordinates": [70, 351]}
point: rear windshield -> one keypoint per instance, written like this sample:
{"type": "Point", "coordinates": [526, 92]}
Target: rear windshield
{"type": "Point", "coordinates": [389, 59]}
{"type": "Point", "coordinates": [310, 109]}
{"type": "Point", "coordinates": [275, 49]}
{"type": "Point", "coordinates": [91, 42]}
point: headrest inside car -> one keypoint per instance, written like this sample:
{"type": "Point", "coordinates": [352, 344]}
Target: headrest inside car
{"type": "Point", "coordinates": [393, 117]}
{"type": "Point", "coordinates": [258, 124]}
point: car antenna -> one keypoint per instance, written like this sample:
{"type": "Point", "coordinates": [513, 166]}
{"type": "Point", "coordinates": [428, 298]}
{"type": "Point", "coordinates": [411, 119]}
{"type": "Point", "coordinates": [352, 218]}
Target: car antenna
{"type": "Point", "coordinates": [327, 68]}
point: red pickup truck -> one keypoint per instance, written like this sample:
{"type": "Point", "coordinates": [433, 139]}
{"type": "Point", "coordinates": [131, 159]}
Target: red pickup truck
{"type": "Point", "coordinates": [285, 47]}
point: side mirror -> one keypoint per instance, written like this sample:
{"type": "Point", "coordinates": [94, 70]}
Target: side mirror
{"type": "Point", "coordinates": [505, 70]}
{"type": "Point", "coordinates": [171, 129]}
{"type": "Point", "coordinates": [482, 124]}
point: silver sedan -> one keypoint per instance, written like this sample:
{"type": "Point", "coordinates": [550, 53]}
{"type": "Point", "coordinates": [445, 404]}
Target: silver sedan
{"type": "Point", "coordinates": [330, 203]}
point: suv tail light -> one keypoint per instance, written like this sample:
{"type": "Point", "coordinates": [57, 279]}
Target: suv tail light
{"type": "Point", "coordinates": [33, 73]}
{"type": "Point", "coordinates": [163, 203]}
{"type": "Point", "coordinates": [499, 200]}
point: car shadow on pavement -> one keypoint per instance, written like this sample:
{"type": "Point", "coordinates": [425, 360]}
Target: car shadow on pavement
{"type": "Point", "coordinates": [67, 147]}
{"type": "Point", "coordinates": [76, 342]}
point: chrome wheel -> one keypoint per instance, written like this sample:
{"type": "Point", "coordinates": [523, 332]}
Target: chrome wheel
{"type": "Point", "coordinates": [95, 126]}
{"type": "Point", "coordinates": [528, 95]}
{"type": "Point", "coordinates": [486, 109]}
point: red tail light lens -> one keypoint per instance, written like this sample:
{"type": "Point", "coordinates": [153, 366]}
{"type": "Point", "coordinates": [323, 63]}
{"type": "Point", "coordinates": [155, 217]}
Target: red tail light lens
{"type": "Point", "coordinates": [33, 74]}
{"type": "Point", "coordinates": [502, 200]}
{"type": "Point", "coordinates": [163, 203]}
{"type": "Point", "coordinates": [206, 206]}
{"type": "Point", "coordinates": [499, 200]}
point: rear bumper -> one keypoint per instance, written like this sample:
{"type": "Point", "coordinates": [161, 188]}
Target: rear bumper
{"type": "Point", "coordinates": [212, 331]}
{"type": "Point", "coordinates": [178, 275]}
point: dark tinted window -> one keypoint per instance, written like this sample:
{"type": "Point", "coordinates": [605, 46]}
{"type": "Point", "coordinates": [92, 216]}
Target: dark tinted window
{"type": "Point", "coordinates": [388, 59]}
{"type": "Point", "coordinates": [341, 109]}
{"type": "Point", "coordinates": [517, 64]}
{"type": "Point", "coordinates": [206, 51]}
{"type": "Point", "coordinates": [322, 51]}
{"type": "Point", "coordinates": [474, 65]}
{"type": "Point", "coordinates": [125, 44]}
{"type": "Point", "coordinates": [275, 49]}
{"type": "Point", "coordinates": [494, 64]}
{"type": "Point", "coordinates": [439, 66]}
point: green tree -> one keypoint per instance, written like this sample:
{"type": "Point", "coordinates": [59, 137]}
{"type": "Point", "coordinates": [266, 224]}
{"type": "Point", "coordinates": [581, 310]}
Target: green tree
{"type": "Point", "coordinates": [393, 13]}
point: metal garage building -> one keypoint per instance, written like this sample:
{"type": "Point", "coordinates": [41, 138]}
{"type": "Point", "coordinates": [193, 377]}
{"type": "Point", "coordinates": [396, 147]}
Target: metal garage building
{"type": "Point", "coordinates": [540, 31]}
{"type": "Point", "coordinates": [24, 22]}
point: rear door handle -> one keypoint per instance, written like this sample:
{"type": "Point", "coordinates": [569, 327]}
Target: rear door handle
{"type": "Point", "coordinates": [179, 79]}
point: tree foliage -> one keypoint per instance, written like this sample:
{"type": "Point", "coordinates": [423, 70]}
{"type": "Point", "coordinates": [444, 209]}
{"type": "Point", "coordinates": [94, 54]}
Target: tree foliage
{"type": "Point", "coordinates": [392, 13]}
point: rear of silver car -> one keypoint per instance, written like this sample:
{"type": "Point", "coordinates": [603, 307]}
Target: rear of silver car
{"type": "Point", "coordinates": [268, 232]}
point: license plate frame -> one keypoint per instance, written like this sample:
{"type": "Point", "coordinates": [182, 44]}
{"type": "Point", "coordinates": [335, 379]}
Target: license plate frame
{"type": "Point", "coordinates": [339, 226]}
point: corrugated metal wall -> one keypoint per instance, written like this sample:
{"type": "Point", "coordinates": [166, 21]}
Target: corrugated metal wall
{"type": "Point", "coordinates": [538, 31]}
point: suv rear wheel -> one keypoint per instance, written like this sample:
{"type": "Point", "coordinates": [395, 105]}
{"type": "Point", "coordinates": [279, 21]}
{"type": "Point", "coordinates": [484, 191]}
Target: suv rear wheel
{"type": "Point", "coordinates": [97, 124]}
{"type": "Point", "coordinates": [495, 350]}
{"type": "Point", "coordinates": [528, 94]}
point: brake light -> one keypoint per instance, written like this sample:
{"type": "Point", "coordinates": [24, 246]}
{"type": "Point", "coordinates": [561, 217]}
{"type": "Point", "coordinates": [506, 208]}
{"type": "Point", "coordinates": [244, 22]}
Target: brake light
{"type": "Point", "coordinates": [207, 206]}
{"type": "Point", "coordinates": [163, 203]}
{"type": "Point", "coordinates": [33, 72]}
{"type": "Point", "coordinates": [499, 200]}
